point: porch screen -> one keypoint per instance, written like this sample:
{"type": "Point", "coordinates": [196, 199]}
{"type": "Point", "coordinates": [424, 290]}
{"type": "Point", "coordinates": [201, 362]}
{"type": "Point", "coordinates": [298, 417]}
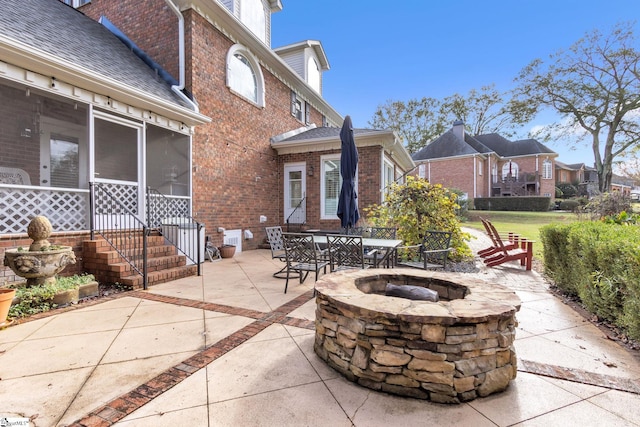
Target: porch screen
{"type": "Point", "coordinates": [116, 148]}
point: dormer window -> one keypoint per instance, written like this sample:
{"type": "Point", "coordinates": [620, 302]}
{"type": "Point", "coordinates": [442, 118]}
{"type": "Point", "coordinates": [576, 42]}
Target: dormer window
{"type": "Point", "coordinates": [313, 74]}
{"type": "Point", "coordinates": [254, 16]}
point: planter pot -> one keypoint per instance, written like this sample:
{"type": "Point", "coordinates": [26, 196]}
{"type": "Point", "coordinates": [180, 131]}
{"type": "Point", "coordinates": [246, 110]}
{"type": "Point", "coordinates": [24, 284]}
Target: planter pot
{"type": "Point", "coordinates": [227, 251]}
{"type": "Point", "coordinates": [6, 297]}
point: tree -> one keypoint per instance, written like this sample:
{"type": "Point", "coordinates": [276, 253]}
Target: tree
{"type": "Point", "coordinates": [420, 121]}
{"type": "Point", "coordinates": [481, 111]}
{"type": "Point", "coordinates": [595, 87]}
{"type": "Point", "coordinates": [415, 121]}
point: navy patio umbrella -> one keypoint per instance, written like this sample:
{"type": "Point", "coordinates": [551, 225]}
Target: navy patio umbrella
{"type": "Point", "coordinates": [347, 201]}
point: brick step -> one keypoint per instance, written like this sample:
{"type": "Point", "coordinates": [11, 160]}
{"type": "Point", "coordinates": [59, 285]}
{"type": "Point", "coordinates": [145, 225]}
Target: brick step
{"type": "Point", "coordinates": [113, 256]}
{"type": "Point", "coordinates": [153, 264]}
{"type": "Point", "coordinates": [162, 276]}
{"type": "Point", "coordinates": [101, 245]}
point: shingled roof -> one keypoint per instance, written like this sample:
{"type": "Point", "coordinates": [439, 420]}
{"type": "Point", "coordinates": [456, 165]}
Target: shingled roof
{"type": "Point", "coordinates": [326, 132]}
{"type": "Point", "coordinates": [451, 145]}
{"type": "Point", "coordinates": [63, 32]}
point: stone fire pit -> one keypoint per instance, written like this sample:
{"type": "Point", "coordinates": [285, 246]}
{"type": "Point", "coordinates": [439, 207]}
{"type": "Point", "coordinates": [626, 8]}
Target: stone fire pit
{"type": "Point", "coordinates": [449, 351]}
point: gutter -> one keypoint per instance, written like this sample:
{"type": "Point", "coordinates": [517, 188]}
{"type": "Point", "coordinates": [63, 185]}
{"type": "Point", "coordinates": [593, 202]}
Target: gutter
{"type": "Point", "coordinates": [181, 60]}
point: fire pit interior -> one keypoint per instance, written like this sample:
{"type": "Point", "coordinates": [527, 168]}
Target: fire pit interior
{"type": "Point", "coordinates": [449, 351]}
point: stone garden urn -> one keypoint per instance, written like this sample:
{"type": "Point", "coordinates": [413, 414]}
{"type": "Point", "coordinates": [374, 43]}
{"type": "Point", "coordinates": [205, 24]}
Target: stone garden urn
{"type": "Point", "coordinates": [40, 262]}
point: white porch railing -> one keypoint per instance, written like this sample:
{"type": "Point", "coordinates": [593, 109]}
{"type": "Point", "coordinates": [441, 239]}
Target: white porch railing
{"type": "Point", "coordinates": [66, 208]}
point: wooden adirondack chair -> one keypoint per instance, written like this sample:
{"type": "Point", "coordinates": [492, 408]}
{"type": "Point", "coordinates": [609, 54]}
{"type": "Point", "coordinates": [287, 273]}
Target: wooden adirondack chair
{"type": "Point", "coordinates": [523, 253]}
{"type": "Point", "coordinates": [513, 241]}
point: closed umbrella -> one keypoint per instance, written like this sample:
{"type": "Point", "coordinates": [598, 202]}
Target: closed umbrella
{"type": "Point", "coordinates": [347, 203]}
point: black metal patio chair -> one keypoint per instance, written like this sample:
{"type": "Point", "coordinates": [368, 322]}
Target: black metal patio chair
{"type": "Point", "coordinates": [346, 251]}
{"type": "Point", "coordinates": [301, 256]}
{"type": "Point", "coordinates": [432, 253]}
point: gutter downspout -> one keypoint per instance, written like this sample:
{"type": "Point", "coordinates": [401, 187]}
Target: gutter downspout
{"type": "Point", "coordinates": [181, 61]}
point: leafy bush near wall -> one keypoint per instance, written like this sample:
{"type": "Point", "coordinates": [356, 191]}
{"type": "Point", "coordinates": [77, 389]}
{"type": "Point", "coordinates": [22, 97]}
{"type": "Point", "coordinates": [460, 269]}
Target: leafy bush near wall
{"type": "Point", "coordinates": [417, 206]}
{"type": "Point", "coordinates": [600, 263]}
{"type": "Point", "coordinates": [527, 204]}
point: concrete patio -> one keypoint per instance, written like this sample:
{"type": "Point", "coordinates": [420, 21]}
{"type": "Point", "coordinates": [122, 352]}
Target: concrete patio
{"type": "Point", "coordinates": [229, 348]}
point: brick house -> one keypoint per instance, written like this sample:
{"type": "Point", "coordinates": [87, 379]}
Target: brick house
{"type": "Point", "coordinates": [487, 165]}
{"type": "Point", "coordinates": [94, 102]}
{"type": "Point", "coordinates": [585, 180]}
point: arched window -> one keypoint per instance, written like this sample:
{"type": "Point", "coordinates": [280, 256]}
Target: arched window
{"type": "Point", "coordinates": [510, 170]}
{"type": "Point", "coordinates": [313, 74]}
{"type": "Point", "coordinates": [244, 76]}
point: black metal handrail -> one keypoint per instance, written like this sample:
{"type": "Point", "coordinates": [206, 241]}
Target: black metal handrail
{"type": "Point", "coordinates": [120, 227]}
{"type": "Point", "coordinates": [299, 214]}
{"type": "Point", "coordinates": [174, 223]}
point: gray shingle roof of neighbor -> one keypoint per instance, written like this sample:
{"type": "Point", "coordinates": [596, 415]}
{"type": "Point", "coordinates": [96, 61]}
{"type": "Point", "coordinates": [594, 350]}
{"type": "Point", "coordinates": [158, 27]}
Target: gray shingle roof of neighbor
{"type": "Point", "coordinates": [61, 31]}
{"type": "Point", "coordinates": [450, 145]}
{"type": "Point", "coordinates": [326, 132]}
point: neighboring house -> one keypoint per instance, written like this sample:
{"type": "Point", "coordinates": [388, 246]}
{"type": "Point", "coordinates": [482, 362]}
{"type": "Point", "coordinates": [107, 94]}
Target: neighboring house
{"type": "Point", "coordinates": [487, 165]}
{"type": "Point", "coordinates": [87, 103]}
{"type": "Point", "coordinates": [585, 179]}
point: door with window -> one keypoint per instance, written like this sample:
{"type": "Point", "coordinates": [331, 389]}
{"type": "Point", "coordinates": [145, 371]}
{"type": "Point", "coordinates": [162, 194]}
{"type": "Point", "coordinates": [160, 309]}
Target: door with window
{"type": "Point", "coordinates": [118, 168]}
{"type": "Point", "coordinates": [295, 189]}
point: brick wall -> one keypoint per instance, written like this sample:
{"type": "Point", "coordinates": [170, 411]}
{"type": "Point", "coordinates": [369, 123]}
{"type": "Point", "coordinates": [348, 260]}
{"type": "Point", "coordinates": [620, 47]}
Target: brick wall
{"type": "Point", "coordinates": [236, 174]}
{"type": "Point", "coordinates": [368, 183]}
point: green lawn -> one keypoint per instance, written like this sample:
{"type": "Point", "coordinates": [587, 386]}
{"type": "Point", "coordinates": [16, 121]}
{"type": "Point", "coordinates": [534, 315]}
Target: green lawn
{"type": "Point", "coordinates": [525, 224]}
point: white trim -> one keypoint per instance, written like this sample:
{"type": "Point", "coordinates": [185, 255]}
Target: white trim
{"type": "Point", "coordinates": [21, 57]}
{"type": "Point", "coordinates": [323, 159]}
{"type": "Point", "coordinates": [301, 166]}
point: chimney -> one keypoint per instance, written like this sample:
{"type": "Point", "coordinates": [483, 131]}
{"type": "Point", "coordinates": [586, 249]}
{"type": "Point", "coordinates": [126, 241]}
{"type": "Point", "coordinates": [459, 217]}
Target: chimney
{"type": "Point", "coordinates": [458, 129]}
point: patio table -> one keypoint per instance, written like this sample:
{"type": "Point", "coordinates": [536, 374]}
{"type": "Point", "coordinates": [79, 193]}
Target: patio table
{"type": "Point", "coordinates": [388, 244]}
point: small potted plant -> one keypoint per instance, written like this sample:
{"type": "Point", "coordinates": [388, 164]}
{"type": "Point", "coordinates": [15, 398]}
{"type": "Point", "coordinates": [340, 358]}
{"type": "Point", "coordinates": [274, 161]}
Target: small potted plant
{"type": "Point", "coordinates": [6, 298]}
{"type": "Point", "coordinates": [227, 251]}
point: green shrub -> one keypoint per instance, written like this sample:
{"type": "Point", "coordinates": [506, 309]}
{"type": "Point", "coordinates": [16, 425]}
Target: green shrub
{"type": "Point", "coordinates": [37, 299]}
{"type": "Point", "coordinates": [600, 263]}
{"type": "Point", "coordinates": [417, 206]}
{"type": "Point", "coordinates": [568, 190]}
{"type": "Point", "coordinates": [607, 204]}
{"type": "Point", "coordinates": [523, 204]}
{"type": "Point", "coordinates": [569, 205]}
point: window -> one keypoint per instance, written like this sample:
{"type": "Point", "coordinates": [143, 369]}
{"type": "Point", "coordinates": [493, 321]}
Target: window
{"type": "Point", "coordinates": [244, 76]}
{"type": "Point", "coordinates": [254, 16]}
{"type": "Point", "coordinates": [422, 171]}
{"type": "Point", "coordinates": [480, 167]}
{"type": "Point", "coordinates": [65, 163]}
{"type": "Point", "coordinates": [547, 169]}
{"type": "Point", "coordinates": [388, 178]}
{"type": "Point", "coordinates": [76, 3]}
{"type": "Point", "coordinates": [494, 172]}
{"type": "Point", "coordinates": [510, 170]}
{"type": "Point", "coordinates": [300, 108]}
{"type": "Point", "coordinates": [330, 186]}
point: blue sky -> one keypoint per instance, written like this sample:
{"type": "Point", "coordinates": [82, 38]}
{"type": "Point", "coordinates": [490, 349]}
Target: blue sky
{"type": "Point", "coordinates": [381, 50]}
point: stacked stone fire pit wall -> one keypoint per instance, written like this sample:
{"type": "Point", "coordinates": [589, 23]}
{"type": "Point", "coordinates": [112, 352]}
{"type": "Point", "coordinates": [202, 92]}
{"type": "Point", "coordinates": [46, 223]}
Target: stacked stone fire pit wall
{"type": "Point", "coordinates": [449, 351]}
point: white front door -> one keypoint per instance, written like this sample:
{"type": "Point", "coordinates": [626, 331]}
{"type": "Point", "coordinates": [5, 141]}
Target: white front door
{"type": "Point", "coordinates": [295, 189]}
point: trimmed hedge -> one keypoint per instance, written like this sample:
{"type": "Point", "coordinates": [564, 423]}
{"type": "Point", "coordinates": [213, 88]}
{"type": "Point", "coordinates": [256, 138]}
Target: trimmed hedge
{"type": "Point", "coordinates": [528, 204]}
{"type": "Point", "coordinates": [600, 263]}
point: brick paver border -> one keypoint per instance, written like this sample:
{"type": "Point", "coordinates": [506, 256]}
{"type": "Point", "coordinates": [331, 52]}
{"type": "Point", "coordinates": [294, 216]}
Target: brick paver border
{"type": "Point", "coordinates": [126, 404]}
